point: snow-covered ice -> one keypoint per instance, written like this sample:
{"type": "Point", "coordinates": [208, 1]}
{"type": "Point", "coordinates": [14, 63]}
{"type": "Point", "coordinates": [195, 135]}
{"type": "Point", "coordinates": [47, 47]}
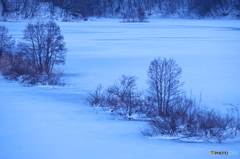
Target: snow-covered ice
{"type": "Point", "coordinates": [100, 51]}
{"type": "Point", "coordinates": [54, 122]}
{"type": "Point", "coordinates": [47, 123]}
{"type": "Point", "coordinates": [207, 51]}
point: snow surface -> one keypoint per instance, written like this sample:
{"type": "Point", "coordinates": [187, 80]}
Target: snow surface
{"type": "Point", "coordinates": [54, 122]}
{"type": "Point", "coordinates": [207, 51]}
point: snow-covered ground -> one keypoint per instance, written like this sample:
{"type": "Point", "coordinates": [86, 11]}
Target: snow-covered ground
{"type": "Point", "coordinates": [54, 122]}
{"type": "Point", "coordinates": [49, 123]}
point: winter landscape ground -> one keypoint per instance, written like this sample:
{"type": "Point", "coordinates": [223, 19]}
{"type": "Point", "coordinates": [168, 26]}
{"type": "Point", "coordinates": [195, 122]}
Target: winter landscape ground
{"type": "Point", "coordinates": [54, 122]}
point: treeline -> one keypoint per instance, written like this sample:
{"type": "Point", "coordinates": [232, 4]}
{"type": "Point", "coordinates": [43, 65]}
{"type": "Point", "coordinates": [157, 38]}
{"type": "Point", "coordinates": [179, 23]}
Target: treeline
{"type": "Point", "coordinates": [116, 8]}
{"type": "Point", "coordinates": [166, 107]}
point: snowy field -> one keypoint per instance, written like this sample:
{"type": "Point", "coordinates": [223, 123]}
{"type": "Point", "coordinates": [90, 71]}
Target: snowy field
{"type": "Point", "coordinates": [54, 122]}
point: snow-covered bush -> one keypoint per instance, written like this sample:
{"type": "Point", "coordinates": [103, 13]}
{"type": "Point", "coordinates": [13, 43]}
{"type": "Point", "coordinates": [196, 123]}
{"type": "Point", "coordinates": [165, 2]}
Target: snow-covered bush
{"type": "Point", "coordinates": [121, 98]}
{"type": "Point", "coordinates": [193, 122]}
{"type": "Point", "coordinates": [97, 98]}
{"type": "Point", "coordinates": [166, 107]}
{"type": "Point", "coordinates": [125, 96]}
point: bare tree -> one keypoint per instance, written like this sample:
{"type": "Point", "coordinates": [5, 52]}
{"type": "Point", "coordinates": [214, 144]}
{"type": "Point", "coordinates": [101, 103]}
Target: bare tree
{"type": "Point", "coordinates": [164, 83]}
{"type": "Point", "coordinates": [44, 46]}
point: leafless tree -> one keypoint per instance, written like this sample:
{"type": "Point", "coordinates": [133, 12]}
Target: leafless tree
{"type": "Point", "coordinates": [44, 46]}
{"type": "Point", "coordinates": [164, 84]}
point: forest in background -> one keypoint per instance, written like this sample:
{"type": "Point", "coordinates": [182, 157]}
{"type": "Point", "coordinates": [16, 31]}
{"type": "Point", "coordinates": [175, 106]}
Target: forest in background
{"type": "Point", "coordinates": [82, 9]}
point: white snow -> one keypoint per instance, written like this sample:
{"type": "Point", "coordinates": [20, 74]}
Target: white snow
{"type": "Point", "coordinates": [207, 51]}
{"type": "Point", "coordinates": [54, 122]}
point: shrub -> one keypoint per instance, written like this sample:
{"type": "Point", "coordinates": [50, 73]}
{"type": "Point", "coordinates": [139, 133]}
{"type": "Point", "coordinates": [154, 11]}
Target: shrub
{"type": "Point", "coordinates": [97, 98]}
{"type": "Point", "coordinates": [122, 97]}
{"type": "Point", "coordinates": [193, 122]}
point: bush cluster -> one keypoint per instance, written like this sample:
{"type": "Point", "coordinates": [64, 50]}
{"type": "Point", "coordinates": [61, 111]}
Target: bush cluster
{"type": "Point", "coordinates": [165, 106]}
{"type": "Point", "coordinates": [33, 60]}
{"type": "Point", "coordinates": [121, 98]}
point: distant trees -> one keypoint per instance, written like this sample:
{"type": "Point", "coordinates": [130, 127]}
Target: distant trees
{"type": "Point", "coordinates": [34, 61]}
{"type": "Point", "coordinates": [166, 107]}
{"type": "Point", "coordinates": [5, 7]}
{"type": "Point", "coordinates": [25, 8]}
{"type": "Point", "coordinates": [134, 14]}
{"type": "Point", "coordinates": [128, 10]}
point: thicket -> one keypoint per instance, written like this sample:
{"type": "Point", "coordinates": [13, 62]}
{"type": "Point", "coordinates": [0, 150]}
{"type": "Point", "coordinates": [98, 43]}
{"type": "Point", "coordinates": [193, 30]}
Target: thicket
{"type": "Point", "coordinates": [132, 10]}
{"type": "Point", "coordinates": [34, 58]}
{"type": "Point", "coordinates": [165, 106]}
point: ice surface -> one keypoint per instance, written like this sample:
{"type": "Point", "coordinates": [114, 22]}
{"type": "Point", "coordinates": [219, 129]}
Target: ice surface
{"type": "Point", "coordinates": [47, 123]}
{"type": "Point", "coordinates": [54, 122]}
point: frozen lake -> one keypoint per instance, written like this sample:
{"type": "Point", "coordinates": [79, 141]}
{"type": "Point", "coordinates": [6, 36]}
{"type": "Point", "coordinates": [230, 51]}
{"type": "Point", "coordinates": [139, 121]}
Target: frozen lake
{"type": "Point", "coordinates": [207, 50]}
{"type": "Point", "coordinates": [100, 51]}
{"type": "Point", "coordinates": [53, 122]}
